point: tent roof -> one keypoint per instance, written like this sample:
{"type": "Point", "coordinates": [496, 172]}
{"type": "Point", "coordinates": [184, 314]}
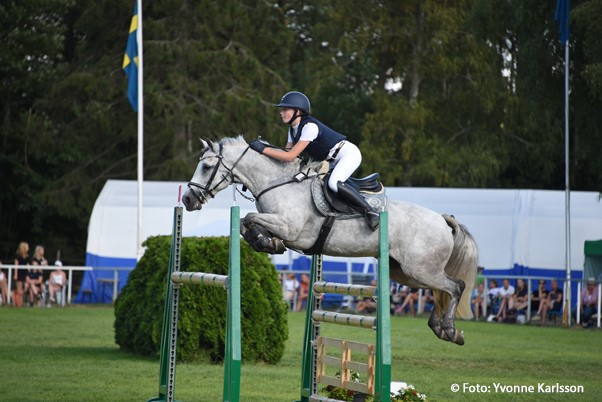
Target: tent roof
{"type": "Point", "coordinates": [524, 227]}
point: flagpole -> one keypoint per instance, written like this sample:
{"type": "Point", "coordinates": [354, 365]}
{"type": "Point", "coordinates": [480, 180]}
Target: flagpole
{"type": "Point", "coordinates": [140, 128]}
{"type": "Point", "coordinates": [567, 196]}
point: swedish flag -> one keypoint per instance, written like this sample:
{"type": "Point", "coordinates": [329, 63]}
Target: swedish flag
{"type": "Point", "coordinates": [130, 61]}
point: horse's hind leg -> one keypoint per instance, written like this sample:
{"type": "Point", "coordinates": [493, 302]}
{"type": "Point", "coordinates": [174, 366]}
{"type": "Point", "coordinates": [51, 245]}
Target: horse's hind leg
{"type": "Point", "coordinates": [441, 321]}
{"type": "Point", "coordinates": [447, 292]}
{"type": "Point", "coordinates": [445, 327]}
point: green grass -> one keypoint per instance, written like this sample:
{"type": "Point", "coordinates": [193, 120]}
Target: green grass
{"type": "Point", "coordinates": [70, 355]}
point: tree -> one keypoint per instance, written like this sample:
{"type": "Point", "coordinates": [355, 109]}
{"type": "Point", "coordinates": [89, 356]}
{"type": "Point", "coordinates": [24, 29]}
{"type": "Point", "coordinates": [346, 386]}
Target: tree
{"type": "Point", "coordinates": [436, 130]}
{"type": "Point", "coordinates": [67, 124]}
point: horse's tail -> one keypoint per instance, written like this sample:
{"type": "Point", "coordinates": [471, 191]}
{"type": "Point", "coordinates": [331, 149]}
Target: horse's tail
{"type": "Point", "coordinates": [462, 264]}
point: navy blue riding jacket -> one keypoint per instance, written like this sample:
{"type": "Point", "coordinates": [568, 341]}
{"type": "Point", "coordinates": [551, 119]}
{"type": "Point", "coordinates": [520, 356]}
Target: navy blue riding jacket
{"type": "Point", "coordinates": [327, 138]}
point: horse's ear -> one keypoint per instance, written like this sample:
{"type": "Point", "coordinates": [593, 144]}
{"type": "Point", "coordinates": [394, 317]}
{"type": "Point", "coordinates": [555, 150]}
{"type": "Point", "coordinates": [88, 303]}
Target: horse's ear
{"type": "Point", "coordinates": [207, 144]}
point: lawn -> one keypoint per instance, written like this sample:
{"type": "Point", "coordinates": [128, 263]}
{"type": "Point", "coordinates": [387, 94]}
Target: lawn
{"type": "Point", "coordinates": [69, 355]}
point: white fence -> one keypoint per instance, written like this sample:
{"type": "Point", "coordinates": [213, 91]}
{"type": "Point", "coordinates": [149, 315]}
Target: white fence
{"type": "Point", "coordinates": [114, 283]}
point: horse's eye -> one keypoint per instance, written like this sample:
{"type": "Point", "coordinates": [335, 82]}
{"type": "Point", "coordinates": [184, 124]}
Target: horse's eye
{"type": "Point", "coordinates": [207, 168]}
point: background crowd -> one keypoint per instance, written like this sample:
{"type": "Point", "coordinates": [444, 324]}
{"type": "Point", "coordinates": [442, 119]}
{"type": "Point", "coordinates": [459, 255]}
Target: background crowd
{"type": "Point", "coordinates": [499, 302]}
{"type": "Point", "coordinates": [33, 281]}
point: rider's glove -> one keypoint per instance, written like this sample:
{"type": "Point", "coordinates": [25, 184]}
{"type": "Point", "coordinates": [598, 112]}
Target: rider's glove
{"type": "Point", "coordinates": [257, 146]}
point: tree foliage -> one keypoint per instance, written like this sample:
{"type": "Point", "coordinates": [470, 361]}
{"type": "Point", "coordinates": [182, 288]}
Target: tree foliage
{"type": "Point", "coordinates": [461, 94]}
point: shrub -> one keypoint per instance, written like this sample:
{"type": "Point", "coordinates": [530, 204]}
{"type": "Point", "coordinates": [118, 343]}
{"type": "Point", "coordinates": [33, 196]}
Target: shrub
{"type": "Point", "coordinates": [202, 309]}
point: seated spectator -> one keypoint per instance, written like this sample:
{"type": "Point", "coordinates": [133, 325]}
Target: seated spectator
{"type": "Point", "coordinates": [303, 292]}
{"type": "Point", "coordinates": [410, 300]}
{"type": "Point", "coordinates": [34, 286]}
{"type": "Point", "coordinates": [504, 293]}
{"type": "Point", "coordinates": [56, 282]}
{"type": "Point", "coordinates": [427, 299]}
{"type": "Point", "coordinates": [478, 301]}
{"type": "Point", "coordinates": [38, 257]}
{"type": "Point", "coordinates": [552, 303]}
{"type": "Point", "coordinates": [367, 304]}
{"type": "Point", "coordinates": [520, 299]}
{"type": "Point", "coordinates": [493, 299]}
{"type": "Point", "coordinates": [3, 286]}
{"type": "Point", "coordinates": [539, 294]}
{"type": "Point", "coordinates": [398, 294]}
{"type": "Point", "coordinates": [290, 288]}
{"type": "Point", "coordinates": [589, 303]}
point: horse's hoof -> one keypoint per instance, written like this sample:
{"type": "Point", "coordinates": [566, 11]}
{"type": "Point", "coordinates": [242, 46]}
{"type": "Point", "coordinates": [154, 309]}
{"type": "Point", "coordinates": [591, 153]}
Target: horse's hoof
{"type": "Point", "coordinates": [451, 334]}
{"type": "Point", "coordinates": [459, 338]}
{"type": "Point", "coordinates": [277, 246]}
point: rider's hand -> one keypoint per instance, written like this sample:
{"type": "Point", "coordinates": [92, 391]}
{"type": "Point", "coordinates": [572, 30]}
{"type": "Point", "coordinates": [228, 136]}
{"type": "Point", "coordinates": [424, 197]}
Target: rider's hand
{"type": "Point", "coordinates": [257, 146]}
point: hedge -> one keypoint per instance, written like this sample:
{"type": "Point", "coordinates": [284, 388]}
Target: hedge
{"type": "Point", "coordinates": [202, 309]}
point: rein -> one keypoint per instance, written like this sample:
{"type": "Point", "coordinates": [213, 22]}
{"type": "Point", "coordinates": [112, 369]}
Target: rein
{"type": "Point", "coordinates": [210, 191]}
{"type": "Point", "coordinates": [299, 177]}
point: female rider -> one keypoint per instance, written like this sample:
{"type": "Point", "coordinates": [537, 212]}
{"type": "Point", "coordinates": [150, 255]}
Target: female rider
{"type": "Point", "coordinates": [306, 133]}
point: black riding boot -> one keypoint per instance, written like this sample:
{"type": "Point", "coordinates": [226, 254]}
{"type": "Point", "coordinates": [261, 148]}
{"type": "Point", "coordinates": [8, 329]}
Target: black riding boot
{"type": "Point", "coordinates": [358, 202]}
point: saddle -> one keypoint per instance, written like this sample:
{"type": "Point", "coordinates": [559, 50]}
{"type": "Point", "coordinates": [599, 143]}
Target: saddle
{"type": "Point", "coordinates": [329, 204]}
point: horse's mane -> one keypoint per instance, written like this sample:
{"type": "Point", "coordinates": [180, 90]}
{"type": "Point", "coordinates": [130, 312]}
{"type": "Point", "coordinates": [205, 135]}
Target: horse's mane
{"type": "Point", "coordinates": [234, 141]}
{"type": "Point", "coordinates": [293, 166]}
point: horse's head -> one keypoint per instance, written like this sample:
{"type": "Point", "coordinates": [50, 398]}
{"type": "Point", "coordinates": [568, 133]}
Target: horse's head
{"type": "Point", "coordinates": [212, 175]}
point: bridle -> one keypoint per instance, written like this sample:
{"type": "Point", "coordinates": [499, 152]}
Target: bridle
{"type": "Point", "coordinates": [207, 189]}
{"type": "Point", "coordinates": [210, 191]}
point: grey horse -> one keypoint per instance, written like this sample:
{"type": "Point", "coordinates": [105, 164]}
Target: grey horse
{"type": "Point", "coordinates": [426, 249]}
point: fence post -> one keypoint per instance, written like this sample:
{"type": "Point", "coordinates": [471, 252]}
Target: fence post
{"type": "Point", "coordinates": [233, 328]}
{"type": "Point", "coordinates": [167, 362]}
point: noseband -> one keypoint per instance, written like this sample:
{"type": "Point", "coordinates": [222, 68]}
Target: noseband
{"type": "Point", "coordinates": [207, 189]}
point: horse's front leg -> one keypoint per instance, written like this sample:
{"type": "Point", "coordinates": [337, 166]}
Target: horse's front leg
{"type": "Point", "coordinates": [265, 231]}
{"type": "Point", "coordinates": [280, 226]}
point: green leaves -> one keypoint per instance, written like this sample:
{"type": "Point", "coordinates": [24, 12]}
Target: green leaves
{"type": "Point", "coordinates": [202, 309]}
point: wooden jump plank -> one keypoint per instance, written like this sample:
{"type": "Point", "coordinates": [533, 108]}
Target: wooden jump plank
{"type": "Point", "coordinates": [344, 289]}
{"type": "Point", "coordinates": [354, 320]}
{"type": "Point", "coordinates": [199, 278]}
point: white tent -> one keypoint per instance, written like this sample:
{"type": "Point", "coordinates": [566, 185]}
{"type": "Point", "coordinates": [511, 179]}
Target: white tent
{"type": "Point", "coordinates": [517, 231]}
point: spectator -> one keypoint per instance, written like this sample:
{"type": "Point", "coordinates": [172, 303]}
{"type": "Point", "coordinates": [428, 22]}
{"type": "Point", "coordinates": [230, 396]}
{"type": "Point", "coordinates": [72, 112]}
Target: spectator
{"type": "Point", "coordinates": [427, 299]}
{"type": "Point", "coordinates": [494, 299]}
{"type": "Point", "coordinates": [367, 304]}
{"type": "Point", "coordinates": [539, 294]}
{"type": "Point", "coordinates": [398, 295]}
{"type": "Point", "coordinates": [20, 275]}
{"type": "Point", "coordinates": [589, 303]}
{"type": "Point", "coordinates": [303, 292]}
{"type": "Point", "coordinates": [478, 301]}
{"type": "Point", "coordinates": [3, 286]}
{"type": "Point", "coordinates": [291, 287]}
{"type": "Point", "coordinates": [56, 282]}
{"type": "Point", "coordinates": [34, 286]}
{"type": "Point", "coordinates": [552, 303]}
{"type": "Point", "coordinates": [410, 300]}
{"type": "Point", "coordinates": [519, 300]}
{"type": "Point", "coordinates": [39, 260]}
{"type": "Point", "coordinates": [505, 293]}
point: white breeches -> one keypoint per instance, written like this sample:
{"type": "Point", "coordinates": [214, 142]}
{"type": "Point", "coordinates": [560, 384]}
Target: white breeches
{"type": "Point", "coordinates": [347, 161]}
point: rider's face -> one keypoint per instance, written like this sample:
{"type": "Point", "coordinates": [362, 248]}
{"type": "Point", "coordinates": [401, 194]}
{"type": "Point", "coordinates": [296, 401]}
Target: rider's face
{"type": "Point", "coordinates": [286, 114]}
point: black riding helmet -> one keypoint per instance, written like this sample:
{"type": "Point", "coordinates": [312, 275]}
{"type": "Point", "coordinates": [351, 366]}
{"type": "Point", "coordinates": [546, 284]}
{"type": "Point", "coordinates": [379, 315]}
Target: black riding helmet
{"type": "Point", "coordinates": [295, 100]}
